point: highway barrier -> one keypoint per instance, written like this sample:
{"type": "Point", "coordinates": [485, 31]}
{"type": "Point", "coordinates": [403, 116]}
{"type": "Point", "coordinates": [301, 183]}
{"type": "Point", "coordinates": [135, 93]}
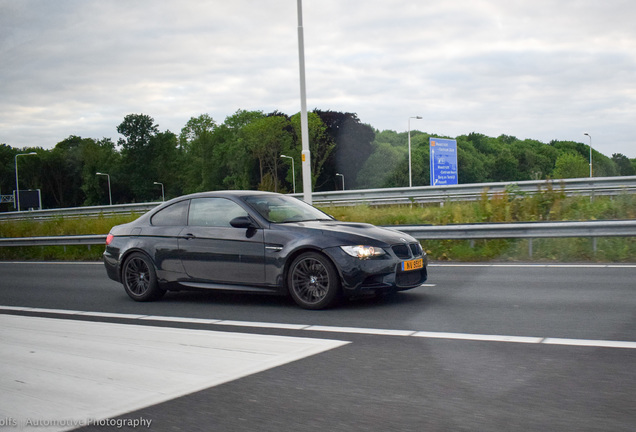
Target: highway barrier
{"type": "Point", "coordinates": [595, 186]}
{"type": "Point", "coordinates": [524, 230]}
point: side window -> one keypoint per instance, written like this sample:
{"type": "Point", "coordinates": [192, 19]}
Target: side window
{"type": "Point", "coordinates": [173, 215]}
{"type": "Point", "coordinates": [214, 212]}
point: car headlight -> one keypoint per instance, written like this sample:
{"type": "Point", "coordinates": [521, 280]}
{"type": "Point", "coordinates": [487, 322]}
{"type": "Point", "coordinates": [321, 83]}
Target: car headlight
{"type": "Point", "coordinates": [363, 252]}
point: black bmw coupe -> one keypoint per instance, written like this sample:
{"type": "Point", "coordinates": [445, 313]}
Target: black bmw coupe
{"type": "Point", "coordinates": [259, 242]}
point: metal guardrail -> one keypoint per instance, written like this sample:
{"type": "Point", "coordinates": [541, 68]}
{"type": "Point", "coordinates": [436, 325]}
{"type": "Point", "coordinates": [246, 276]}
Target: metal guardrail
{"type": "Point", "coordinates": [614, 228]}
{"type": "Point", "coordinates": [430, 194]}
{"type": "Point", "coordinates": [75, 240]}
{"type": "Point", "coordinates": [80, 211]}
{"type": "Point", "coordinates": [418, 194]}
{"type": "Point", "coordinates": [619, 228]}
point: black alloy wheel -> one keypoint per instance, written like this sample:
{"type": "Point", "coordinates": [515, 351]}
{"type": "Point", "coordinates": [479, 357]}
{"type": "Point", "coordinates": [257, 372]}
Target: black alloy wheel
{"type": "Point", "coordinates": [140, 278]}
{"type": "Point", "coordinates": [313, 281]}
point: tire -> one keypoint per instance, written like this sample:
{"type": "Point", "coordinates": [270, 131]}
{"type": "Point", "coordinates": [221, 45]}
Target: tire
{"type": "Point", "coordinates": [139, 278]}
{"type": "Point", "coordinates": [313, 281]}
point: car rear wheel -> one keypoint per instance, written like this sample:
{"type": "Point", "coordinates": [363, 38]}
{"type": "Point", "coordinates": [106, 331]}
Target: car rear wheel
{"type": "Point", "coordinates": [140, 278]}
{"type": "Point", "coordinates": [313, 281]}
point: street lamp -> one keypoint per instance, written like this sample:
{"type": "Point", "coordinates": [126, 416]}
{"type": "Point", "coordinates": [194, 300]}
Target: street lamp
{"type": "Point", "coordinates": [341, 175]}
{"type": "Point", "coordinates": [590, 137]}
{"type": "Point", "coordinates": [410, 170]}
{"type": "Point", "coordinates": [163, 196]}
{"type": "Point", "coordinates": [17, 185]}
{"type": "Point", "coordinates": [293, 170]}
{"type": "Point", "coordinates": [110, 196]}
{"type": "Point", "coordinates": [305, 155]}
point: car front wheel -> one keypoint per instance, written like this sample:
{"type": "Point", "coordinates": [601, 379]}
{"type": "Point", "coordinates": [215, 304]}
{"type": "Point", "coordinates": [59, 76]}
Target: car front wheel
{"type": "Point", "coordinates": [140, 278]}
{"type": "Point", "coordinates": [313, 281]}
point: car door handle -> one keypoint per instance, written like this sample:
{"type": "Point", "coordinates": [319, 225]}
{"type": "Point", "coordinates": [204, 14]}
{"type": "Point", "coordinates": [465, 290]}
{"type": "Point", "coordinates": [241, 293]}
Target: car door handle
{"type": "Point", "coordinates": [188, 236]}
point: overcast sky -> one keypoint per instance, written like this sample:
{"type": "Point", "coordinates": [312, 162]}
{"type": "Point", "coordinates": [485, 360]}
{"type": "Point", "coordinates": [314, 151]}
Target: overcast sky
{"type": "Point", "coordinates": [541, 69]}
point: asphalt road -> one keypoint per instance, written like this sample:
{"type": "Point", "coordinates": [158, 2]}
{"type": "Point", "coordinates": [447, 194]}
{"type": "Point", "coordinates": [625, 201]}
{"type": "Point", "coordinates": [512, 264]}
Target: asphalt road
{"type": "Point", "coordinates": [447, 366]}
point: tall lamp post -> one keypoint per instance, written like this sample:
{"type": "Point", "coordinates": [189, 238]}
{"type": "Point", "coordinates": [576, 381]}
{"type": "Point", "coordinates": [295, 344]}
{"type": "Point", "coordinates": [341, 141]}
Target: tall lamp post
{"type": "Point", "coordinates": [163, 195]}
{"type": "Point", "coordinates": [410, 169]}
{"type": "Point", "coordinates": [293, 170]}
{"type": "Point", "coordinates": [341, 175]}
{"type": "Point", "coordinates": [110, 196]}
{"type": "Point", "coordinates": [17, 185]}
{"type": "Point", "coordinates": [305, 156]}
{"type": "Point", "coordinates": [590, 137]}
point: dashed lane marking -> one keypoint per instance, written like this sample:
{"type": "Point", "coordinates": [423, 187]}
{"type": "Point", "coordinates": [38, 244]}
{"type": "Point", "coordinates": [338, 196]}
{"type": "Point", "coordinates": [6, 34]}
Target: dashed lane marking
{"type": "Point", "coordinates": [336, 329]}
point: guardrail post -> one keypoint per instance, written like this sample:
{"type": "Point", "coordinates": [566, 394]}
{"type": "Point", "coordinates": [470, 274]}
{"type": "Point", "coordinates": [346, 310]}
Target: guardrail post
{"type": "Point", "coordinates": [594, 245]}
{"type": "Point", "coordinates": [529, 248]}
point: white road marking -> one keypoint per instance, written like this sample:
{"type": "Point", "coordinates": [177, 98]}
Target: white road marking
{"type": "Point", "coordinates": [590, 343]}
{"type": "Point", "coordinates": [478, 337]}
{"type": "Point", "coordinates": [351, 330]}
{"type": "Point", "coordinates": [61, 371]}
{"type": "Point", "coordinates": [514, 265]}
{"type": "Point", "coordinates": [357, 330]}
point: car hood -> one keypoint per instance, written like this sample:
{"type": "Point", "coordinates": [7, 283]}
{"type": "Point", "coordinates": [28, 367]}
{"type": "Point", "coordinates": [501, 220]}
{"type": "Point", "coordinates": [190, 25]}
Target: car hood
{"type": "Point", "coordinates": [357, 233]}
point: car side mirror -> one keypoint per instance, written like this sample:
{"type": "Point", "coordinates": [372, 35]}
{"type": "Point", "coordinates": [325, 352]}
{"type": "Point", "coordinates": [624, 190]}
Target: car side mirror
{"type": "Point", "coordinates": [243, 222]}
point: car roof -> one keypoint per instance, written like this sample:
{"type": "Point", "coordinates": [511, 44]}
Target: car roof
{"type": "Point", "coordinates": [227, 193]}
{"type": "Point", "coordinates": [216, 194]}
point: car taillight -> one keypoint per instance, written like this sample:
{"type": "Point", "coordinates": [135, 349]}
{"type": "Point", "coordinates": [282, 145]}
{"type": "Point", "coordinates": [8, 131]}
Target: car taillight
{"type": "Point", "coordinates": [109, 238]}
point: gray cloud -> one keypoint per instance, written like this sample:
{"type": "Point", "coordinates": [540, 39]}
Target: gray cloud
{"type": "Point", "coordinates": [548, 69]}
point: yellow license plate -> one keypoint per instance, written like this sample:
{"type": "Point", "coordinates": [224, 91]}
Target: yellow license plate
{"type": "Point", "coordinates": [413, 264]}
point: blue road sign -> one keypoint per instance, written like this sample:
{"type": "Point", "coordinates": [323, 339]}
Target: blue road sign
{"type": "Point", "coordinates": [443, 159]}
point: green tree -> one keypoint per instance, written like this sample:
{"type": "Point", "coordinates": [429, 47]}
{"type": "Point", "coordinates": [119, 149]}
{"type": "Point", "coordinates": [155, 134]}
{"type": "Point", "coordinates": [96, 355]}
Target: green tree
{"type": "Point", "coordinates": [240, 168]}
{"type": "Point", "coordinates": [353, 146]}
{"type": "Point", "coordinates": [202, 168]}
{"type": "Point", "coordinates": [623, 164]}
{"type": "Point", "coordinates": [505, 167]}
{"type": "Point", "coordinates": [165, 166]}
{"type": "Point", "coordinates": [472, 165]}
{"type": "Point", "coordinates": [147, 156]}
{"type": "Point", "coordinates": [570, 165]}
{"type": "Point", "coordinates": [321, 147]}
{"type": "Point", "coordinates": [101, 156]}
{"type": "Point", "coordinates": [266, 139]}
{"type": "Point", "coordinates": [62, 173]}
{"type": "Point", "coordinates": [381, 168]}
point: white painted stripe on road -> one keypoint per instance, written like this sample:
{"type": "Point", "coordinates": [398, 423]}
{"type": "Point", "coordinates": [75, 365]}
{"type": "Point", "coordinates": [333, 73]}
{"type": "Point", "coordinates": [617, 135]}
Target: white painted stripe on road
{"type": "Point", "coordinates": [57, 370]}
{"type": "Point", "coordinates": [478, 337]}
{"type": "Point", "coordinates": [111, 315]}
{"type": "Point", "coordinates": [590, 343]}
{"type": "Point", "coordinates": [351, 330]}
{"type": "Point", "coordinates": [54, 311]}
{"type": "Point", "coordinates": [357, 330]}
{"type": "Point", "coordinates": [516, 265]}
{"type": "Point", "coordinates": [262, 325]}
{"type": "Point", "coordinates": [180, 319]}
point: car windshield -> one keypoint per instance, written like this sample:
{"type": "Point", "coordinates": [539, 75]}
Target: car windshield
{"type": "Point", "coordinates": [284, 209]}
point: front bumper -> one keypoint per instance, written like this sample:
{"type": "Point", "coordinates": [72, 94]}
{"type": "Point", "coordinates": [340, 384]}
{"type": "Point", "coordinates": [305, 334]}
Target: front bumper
{"type": "Point", "coordinates": [376, 274]}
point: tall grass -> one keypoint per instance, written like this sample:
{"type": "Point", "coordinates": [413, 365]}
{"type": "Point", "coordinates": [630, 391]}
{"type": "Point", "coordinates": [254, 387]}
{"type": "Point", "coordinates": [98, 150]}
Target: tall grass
{"type": "Point", "coordinates": [512, 205]}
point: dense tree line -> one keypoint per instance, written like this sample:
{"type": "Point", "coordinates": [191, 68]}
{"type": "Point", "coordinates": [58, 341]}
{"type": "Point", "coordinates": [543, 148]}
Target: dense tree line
{"type": "Point", "coordinates": [244, 152]}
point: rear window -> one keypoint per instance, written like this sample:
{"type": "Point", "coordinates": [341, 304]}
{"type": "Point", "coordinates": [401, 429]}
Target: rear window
{"type": "Point", "coordinates": [173, 215]}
